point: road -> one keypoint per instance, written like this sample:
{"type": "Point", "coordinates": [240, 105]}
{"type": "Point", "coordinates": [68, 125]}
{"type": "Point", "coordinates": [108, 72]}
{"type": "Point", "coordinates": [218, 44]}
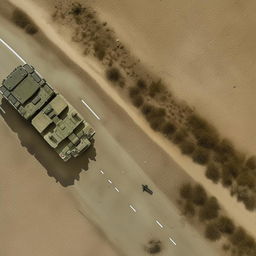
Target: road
{"type": "Point", "coordinates": [107, 180]}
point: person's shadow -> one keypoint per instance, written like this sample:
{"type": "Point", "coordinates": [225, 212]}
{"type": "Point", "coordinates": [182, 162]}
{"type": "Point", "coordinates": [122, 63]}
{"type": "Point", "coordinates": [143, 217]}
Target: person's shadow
{"type": "Point", "coordinates": [64, 172]}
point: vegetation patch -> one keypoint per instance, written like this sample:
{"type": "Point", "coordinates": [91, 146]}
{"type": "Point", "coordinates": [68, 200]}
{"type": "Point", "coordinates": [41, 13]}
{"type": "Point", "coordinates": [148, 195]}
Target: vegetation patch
{"type": "Point", "coordinates": [23, 21]}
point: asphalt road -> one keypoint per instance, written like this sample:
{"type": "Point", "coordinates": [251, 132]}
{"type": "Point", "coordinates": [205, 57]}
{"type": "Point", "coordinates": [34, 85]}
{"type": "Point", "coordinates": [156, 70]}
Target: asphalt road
{"type": "Point", "coordinates": [108, 178]}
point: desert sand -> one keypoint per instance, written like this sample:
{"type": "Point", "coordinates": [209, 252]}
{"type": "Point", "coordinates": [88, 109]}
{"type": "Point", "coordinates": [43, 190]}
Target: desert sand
{"type": "Point", "coordinates": [181, 69]}
{"type": "Point", "coordinates": [125, 32]}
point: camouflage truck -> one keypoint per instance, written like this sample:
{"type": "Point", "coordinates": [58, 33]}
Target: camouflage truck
{"type": "Point", "coordinates": [52, 116]}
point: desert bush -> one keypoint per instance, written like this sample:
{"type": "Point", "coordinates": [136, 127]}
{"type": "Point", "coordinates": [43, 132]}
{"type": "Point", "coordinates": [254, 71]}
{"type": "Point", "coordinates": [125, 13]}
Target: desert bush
{"type": "Point", "coordinates": [210, 210]}
{"type": "Point", "coordinates": [156, 122]}
{"type": "Point", "coordinates": [31, 29]}
{"type": "Point", "coordinates": [23, 21]}
{"type": "Point", "coordinates": [155, 88]}
{"type": "Point", "coordinates": [141, 84]}
{"type": "Point", "coordinates": [134, 91]}
{"type": "Point", "coordinates": [189, 209]}
{"type": "Point", "coordinates": [20, 18]}
{"type": "Point", "coordinates": [249, 202]}
{"type": "Point", "coordinates": [232, 167]}
{"type": "Point", "coordinates": [154, 246]}
{"type": "Point", "coordinates": [225, 225]}
{"type": "Point", "coordinates": [168, 129]}
{"type": "Point", "coordinates": [76, 9]}
{"type": "Point", "coordinates": [187, 147]}
{"type": "Point", "coordinates": [212, 172]}
{"type": "Point", "coordinates": [197, 123]}
{"type": "Point", "coordinates": [186, 191]}
{"type": "Point", "coordinates": [113, 74]}
{"type": "Point", "coordinates": [226, 177]}
{"type": "Point", "coordinates": [179, 136]}
{"type": "Point", "coordinates": [244, 243]}
{"type": "Point", "coordinates": [200, 155]}
{"type": "Point", "coordinates": [224, 151]}
{"type": "Point", "coordinates": [100, 50]}
{"type": "Point", "coordinates": [199, 195]}
{"type": "Point", "coordinates": [251, 163]}
{"type": "Point", "coordinates": [137, 101]}
{"type": "Point", "coordinates": [206, 138]}
{"type": "Point", "coordinates": [212, 232]}
{"type": "Point", "coordinates": [147, 109]}
{"type": "Point", "coordinates": [247, 179]}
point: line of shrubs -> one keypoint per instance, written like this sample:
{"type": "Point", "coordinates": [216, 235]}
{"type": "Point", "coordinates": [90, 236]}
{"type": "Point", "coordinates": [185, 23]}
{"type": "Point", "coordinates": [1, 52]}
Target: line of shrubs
{"type": "Point", "coordinates": [22, 20]}
{"type": "Point", "coordinates": [197, 202]}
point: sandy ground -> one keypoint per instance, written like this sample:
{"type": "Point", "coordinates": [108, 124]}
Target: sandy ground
{"type": "Point", "coordinates": [240, 215]}
{"type": "Point", "coordinates": [204, 50]}
{"type": "Point", "coordinates": [247, 220]}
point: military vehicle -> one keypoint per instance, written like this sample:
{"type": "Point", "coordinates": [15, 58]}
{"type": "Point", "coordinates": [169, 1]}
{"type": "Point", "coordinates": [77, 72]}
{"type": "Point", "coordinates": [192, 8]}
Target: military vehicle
{"type": "Point", "coordinates": [147, 189]}
{"type": "Point", "coordinates": [52, 116]}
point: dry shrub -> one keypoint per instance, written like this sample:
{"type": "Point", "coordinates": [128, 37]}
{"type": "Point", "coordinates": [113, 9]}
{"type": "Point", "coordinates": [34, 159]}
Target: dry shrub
{"type": "Point", "coordinates": [210, 210]}
{"type": "Point", "coordinates": [199, 195]}
{"type": "Point", "coordinates": [212, 232]}
{"type": "Point", "coordinates": [100, 50]}
{"type": "Point", "coordinates": [224, 151]}
{"type": "Point", "coordinates": [244, 243]}
{"type": "Point", "coordinates": [251, 163]}
{"type": "Point", "coordinates": [133, 91]}
{"type": "Point", "coordinates": [226, 177]}
{"type": "Point", "coordinates": [168, 129]}
{"type": "Point", "coordinates": [77, 9]}
{"type": "Point", "coordinates": [154, 246]}
{"type": "Point", "coordinates": [141, 84]}
{"type": "Point", "coordinates": [247, 179]}
{"type": "Point", "coordinates": [187, 147]}
{"type": "Point", "coordinates": [225, 225]}
{"type": "Point", "coordinates": [22, 20]}
{"type": "Point", "coordinates": [212, 172]}
{"type": "Point", "coordinates": [137, 101]}
{"type": "Point", "coordinates": [155, 88]}
{"type": "Point", "coordinates": [186, 191]}
{"type": "Point", "coordinates": [189, 209]}
{"type": "Point", "coordinates": [200, 155]}
{"type": "Point", "coordinates": [113, 74]}
{"type": "Point", "coordinates": [179, 136]}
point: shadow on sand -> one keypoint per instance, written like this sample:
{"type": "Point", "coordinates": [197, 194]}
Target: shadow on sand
{"type": "Point", "coordinates": [64, 172]}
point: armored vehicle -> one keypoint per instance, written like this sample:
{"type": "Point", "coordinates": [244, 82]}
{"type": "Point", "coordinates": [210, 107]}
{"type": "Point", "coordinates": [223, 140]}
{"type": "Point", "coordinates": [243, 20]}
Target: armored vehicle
{"type": "Point", "coordinates": [52, 116]}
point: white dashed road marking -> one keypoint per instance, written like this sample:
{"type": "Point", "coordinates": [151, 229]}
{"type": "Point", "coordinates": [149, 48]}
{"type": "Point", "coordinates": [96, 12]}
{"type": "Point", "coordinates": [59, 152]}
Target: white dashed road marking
{"type": "Point", "coordinates": [116, 189]}
{"type": "Point", "coordinates": [159, 224]}
{"type": "Point", "coordinates": [10, 48]}
{"type": "Point", "coordinates": [110, 181]}
{"type": "Point", "coordinates": [101, 172]}
{"type": "Point", "coordinates": [90, 109]}
{"type": "Point", "coordinates": [172, 241]}
{"type": "Point", "coordinates": [132, 208]}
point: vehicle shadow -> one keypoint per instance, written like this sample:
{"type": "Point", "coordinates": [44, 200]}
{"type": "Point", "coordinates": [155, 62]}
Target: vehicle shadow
{"type": "Point", "coordinates": [64, 172]}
